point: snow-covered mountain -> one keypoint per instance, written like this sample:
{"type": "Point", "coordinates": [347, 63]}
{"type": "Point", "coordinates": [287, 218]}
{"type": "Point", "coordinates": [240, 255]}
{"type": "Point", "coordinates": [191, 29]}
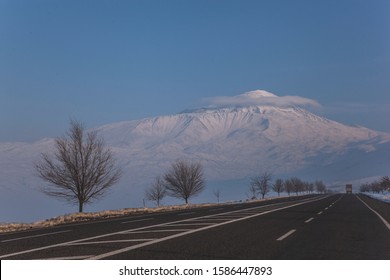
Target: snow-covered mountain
{"type": "Point", "coordinates": [253, 132]}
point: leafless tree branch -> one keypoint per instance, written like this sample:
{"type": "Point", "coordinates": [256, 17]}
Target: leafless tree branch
{"type": "Point", "coordinates": [81, 168]}
{"type": "Point", "coordinates": [157, 191]}
{"type": "Point", "coordinates": [184, 180]}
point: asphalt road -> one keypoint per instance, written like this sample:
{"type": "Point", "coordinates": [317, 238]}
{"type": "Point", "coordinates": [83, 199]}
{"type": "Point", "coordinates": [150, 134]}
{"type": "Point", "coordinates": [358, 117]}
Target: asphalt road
{"type": "Point", "coordinates": [315, 227]}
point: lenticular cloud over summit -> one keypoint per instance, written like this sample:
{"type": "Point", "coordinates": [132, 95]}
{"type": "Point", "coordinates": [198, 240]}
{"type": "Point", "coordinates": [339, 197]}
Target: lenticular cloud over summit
{"type": "Point", "coordinates": [260, 98]}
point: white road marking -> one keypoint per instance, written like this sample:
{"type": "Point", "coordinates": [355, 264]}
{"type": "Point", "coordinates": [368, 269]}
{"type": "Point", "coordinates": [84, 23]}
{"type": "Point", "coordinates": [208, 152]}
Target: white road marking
{"type": "Point", "coordinates": [309, 220]}
{"type": "Point", "coordinates": [130, 248]}
{"type": "Point", "coordinates": [191, 224]}
{"type": "Point", "coordinates": [159, 230]}
{"type": "Point", "coordinates": [304, 201]}
{"type": "Point", "coordinates": [286, 235]}
{"type": "Point", "coordinates": [140, 220]}
{"type": "Point", "coordinates": [379, 215]}
{"type": "Point", "coordinates": [251, 212]}
{"type": "Point", "coordinates": [319, 213]}
{"type": "Point", "coordinates": [234, 216]}
{"type": "Point", "coordinates": [33, 236]}
{"type": "Point", "coordinates": [70, 258]}
{"type": "Point", "coordinates": [112, 241]}
{"type": "Point", "coordinates": [214, 219]}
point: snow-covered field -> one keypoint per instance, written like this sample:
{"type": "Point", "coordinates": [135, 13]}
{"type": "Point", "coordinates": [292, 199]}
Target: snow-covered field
{"type": "Point", "coordinates": [383, 197]}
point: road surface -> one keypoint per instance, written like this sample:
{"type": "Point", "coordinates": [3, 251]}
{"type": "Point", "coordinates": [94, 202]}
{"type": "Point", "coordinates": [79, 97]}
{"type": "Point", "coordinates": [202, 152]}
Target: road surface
{"type": "Point", "coordinates": [341, 226]}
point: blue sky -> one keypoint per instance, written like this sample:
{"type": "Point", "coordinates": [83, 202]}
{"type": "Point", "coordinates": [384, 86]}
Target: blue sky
{"type": "Point", "coordinates": [106, 61]}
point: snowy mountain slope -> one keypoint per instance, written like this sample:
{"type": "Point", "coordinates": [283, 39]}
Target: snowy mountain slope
{"type": "Point", "coordinates": [235, 142]}
{"type": "Point", "coordinates": [258, 132]}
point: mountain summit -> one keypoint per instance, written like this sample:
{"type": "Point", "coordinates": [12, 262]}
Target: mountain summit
{"type": "Point", "coordinates": [233, 138]}
{"type": "Point", "coordinates": [258, 94]}
{"type": "Point", "coordinates": [260, 98]}
{"type": "Point", "coordinates": [238, 141]}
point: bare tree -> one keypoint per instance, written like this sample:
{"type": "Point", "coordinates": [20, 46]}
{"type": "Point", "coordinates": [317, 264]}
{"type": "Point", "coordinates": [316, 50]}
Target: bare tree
{"type": "Point", "coordinates": [184, 180]}
{"type": "Point", "coordinates": [81, 168]}
{"type": "Point", "coordinates": [385, 183]}
{"type": "Point", "coordinates": [278, 186]}
{"type": "Point", "coordinates": [253, 191]}
{"type": "Point", "coordinates": [157, 191]}
{"type": "Point", "coordinates": [320, 187]}
{"type": "Point", "coordinates": [297, 185]}
{"type": "Point", "coordinates": [261, 183]}
{"type": "Point", "coordinates": [217, 194]}
{"type": "Point", "coordinates": [365, 187]}
{"type": "Point", "coordinates": [375, 186]}
{"type": "Point", "coordinates": [288, 186]}
{"type": "Point", "coordinates": [310, 187]}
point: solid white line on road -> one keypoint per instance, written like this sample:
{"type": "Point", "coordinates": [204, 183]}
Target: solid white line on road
{"type": "Point", "coordinates": [140, 220]}
{"type": "Point", "coordinates": [286, 235]}
{"type": "Point", "coordinates": [304, 201]}
{"type": "Point", "coordinates": [213, 219]}
{"type": "Point", "coordinates": [157, 230]}
{"type": "Point", "coordinates": [33, 236]}
{"type": "Point", "coordinates": [380, 217]}
{"type": "Point", "coordinates": [309, 220]}
{"type": "Point", "coordinates": [250, 212]}
{"type": "Point", "coordinates": [234, 216]}
{"type": "Point", "coordinates": [191, 224]}
{"type": "Point", "coordinates": [130, 248]}
{"type": "Point", "coordinates": [112, 241]}
{"type": "Point", "coordinates": [69, 258]}
{"type": "Point", "coordinates": [319, 213]}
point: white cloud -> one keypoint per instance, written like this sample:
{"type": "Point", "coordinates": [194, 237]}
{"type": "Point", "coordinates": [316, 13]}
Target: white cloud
{"type": "Point", "coordinates": [260, 97]}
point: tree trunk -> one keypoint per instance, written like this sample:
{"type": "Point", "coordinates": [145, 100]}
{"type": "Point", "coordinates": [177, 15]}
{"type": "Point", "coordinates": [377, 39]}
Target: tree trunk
{"type": "Point", "coordinates": [80, 207]}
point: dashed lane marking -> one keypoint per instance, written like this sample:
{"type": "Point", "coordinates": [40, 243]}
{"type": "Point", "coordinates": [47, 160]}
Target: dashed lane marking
{"type": "Point", "coordinates": [309, 220]}
{"type": "Point", "coordinates": [284, 236]}
{"type": "Point", "coordinates": [146, 228]}
{"type": "Point", "coordinates": [170, 237]}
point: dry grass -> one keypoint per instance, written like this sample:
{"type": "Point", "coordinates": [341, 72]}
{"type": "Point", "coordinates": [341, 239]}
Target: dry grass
{"type": "Point", "coordinates": [82, 217]}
